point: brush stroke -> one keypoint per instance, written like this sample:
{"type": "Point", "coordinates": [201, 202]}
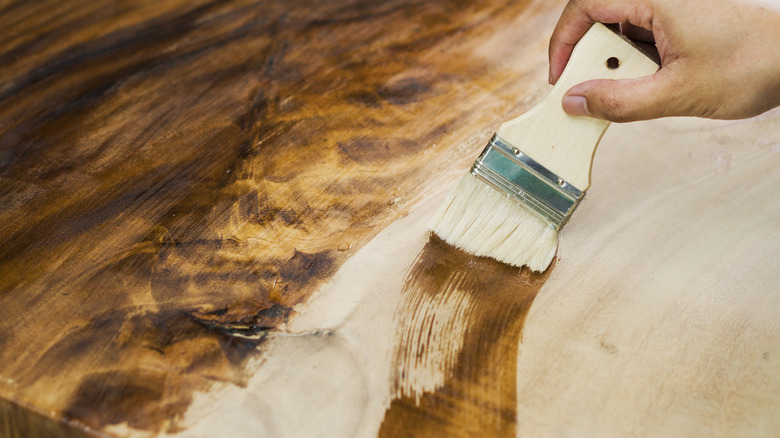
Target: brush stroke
{"type": "Point", "coordinates": [458, 327]}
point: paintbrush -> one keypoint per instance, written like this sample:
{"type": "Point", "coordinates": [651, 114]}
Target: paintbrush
{"type": "Point", "coordinates": [535, 170]}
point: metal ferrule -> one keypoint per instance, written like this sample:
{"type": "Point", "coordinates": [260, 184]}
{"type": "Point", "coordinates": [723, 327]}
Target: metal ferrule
{"type": "Point", "coordinates": [545, 194]}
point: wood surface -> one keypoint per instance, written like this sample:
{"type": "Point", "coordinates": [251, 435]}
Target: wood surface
{"type": "Point", "coordinates": [213, 223]}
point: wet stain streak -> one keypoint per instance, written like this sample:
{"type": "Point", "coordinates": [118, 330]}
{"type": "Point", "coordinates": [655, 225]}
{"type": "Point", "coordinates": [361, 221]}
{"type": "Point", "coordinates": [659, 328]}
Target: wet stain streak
{"type": "Point", "coordinates": [458, 328]}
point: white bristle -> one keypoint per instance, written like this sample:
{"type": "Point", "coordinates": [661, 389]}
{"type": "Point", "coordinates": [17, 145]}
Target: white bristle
{"type": "Point", "coordinates": [483, 221]}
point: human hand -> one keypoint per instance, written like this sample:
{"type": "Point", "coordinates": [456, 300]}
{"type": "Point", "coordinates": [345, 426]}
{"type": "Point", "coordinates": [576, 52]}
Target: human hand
{"type": "Point", "coordinates": [719, 58]}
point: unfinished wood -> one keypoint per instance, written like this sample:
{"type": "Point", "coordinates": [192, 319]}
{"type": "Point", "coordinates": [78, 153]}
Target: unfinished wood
{"type": "Point", "coordinates": [663, 313]}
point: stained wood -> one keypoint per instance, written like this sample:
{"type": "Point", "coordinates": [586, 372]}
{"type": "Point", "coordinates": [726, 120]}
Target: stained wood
{"type": "Point", "coordinates": [213, 214]}
{"type": "Point", "coordinates": [21, 422]}
{"type": "Point", "coordinates": [177, 176]}
{"type": "Point", "coordinates": [447, 378]}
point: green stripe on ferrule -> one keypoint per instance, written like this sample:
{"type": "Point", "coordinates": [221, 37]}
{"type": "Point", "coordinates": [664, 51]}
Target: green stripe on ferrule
{"type": "Point", "coordinates": [505, 168]}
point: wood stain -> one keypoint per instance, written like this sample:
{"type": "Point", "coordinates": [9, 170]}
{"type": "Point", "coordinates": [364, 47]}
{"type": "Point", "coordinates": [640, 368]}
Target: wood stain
{"type": "Point", "coordinates": [176, 176]}
{"type": "Point", "coordinates": [458, 327]}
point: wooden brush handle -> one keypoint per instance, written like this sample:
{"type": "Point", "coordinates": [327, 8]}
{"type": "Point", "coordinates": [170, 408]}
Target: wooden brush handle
{"type": "Point", "coordinates": [562, 143]}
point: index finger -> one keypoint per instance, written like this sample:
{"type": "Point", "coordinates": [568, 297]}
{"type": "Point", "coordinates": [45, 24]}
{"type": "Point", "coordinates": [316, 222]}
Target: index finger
{"type": "Point", "coordinates": [572, 25]}
{"type": "Point", "coordinates": [579, 15]}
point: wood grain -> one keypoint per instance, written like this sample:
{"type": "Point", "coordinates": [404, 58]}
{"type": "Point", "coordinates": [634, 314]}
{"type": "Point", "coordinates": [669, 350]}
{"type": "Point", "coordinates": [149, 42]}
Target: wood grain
{"type": "Point", "coordinates": [176, 176]}
{"type": "Point", "coordinates": [21, 422]}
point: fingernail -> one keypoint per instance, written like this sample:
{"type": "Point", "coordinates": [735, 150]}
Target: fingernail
{"type": "Point", "coordinates": [549, 77]}
{"type": "Point", "coordinates": [575, 106]}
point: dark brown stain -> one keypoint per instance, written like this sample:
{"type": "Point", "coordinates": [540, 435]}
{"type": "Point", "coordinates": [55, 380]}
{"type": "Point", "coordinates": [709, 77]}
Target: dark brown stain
{"type": "Point", "coordinates": [477, 396]}
{"type": "Point", "coordinates": [371, 150]}
{"type": "Point", "coordinates": [133, 397]}
{"type": "Point", "coordinates": [404, 91]}
{"type": "Point", "coordinates": [302, 268]}
{"type": "Point", "coordinates": [365, 98]}
{"type": "Point", "coordinates": [157, 362]}
{"type": "Point", "coordinates": [241, 323]}
{"type": "Point", "coordinates": [176, 176]}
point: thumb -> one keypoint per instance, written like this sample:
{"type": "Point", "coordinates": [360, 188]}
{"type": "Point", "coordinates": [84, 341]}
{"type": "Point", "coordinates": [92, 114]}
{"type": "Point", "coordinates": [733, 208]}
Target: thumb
{"type": "Point", "coordinates": [624, 100]}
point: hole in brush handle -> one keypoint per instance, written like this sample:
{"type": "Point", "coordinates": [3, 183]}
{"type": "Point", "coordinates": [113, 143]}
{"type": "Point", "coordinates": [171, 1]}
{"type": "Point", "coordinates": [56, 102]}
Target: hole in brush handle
{"type": "Point", "coordinates": [613, 63]}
